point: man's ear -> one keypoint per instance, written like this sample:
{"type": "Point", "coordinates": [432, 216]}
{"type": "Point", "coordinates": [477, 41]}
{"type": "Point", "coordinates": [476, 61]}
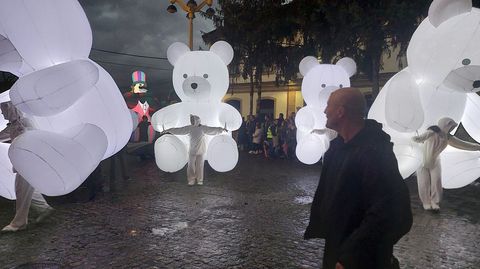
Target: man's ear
{"type": "Point", "coordinates": [341, 111]}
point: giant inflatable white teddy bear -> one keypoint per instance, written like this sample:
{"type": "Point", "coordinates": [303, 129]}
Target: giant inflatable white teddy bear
{"type": "Point", "coordinates": [200, 79]}
{"type": "Point", "coordinates": [79, 114]}
{"type": "Point", "coordinates": [441, 80]}
{"type": "Point", "coordinates": [319, 81]}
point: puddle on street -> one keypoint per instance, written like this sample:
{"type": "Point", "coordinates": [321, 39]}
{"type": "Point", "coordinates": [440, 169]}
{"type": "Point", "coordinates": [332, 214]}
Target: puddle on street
{"type": "Point", "coordinates": [303, 200]}
{"type": "Point", "coordinates": [169, 230]}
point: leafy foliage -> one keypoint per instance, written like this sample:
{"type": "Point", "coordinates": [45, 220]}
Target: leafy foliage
{"type": "Point", "coordinates": [269, 35]}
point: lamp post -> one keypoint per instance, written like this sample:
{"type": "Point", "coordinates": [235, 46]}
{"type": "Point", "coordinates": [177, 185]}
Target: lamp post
{"type": "Point", "coordinates": [191, 8]}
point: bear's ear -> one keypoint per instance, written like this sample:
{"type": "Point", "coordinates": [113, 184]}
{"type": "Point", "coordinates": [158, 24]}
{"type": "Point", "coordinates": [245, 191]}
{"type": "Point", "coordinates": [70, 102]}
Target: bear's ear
{"type": "Point", "coordinates": [224, 50]}
{"type": "Point", "coordinates": [349, 65]}
{"type": "Point", "coordinates": [175, 51]}
{"type": "Point", "coordinates": [306, 64]}
{"type": "Point", "coordinates": [442, 10]}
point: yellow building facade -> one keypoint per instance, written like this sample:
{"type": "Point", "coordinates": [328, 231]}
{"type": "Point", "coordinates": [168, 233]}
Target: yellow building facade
{"type": "Point", "coordinates": [288, 98]}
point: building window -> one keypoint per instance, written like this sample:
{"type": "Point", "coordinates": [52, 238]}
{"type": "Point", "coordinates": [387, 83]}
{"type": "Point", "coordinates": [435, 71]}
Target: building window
{"type": "Point", "coordinates": [267, 107]}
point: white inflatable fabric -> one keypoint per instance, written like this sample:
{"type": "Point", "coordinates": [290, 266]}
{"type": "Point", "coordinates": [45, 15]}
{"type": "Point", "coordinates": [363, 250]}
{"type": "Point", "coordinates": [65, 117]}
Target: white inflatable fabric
{"type": "Point", "coordinates": [78, 111]}
{"type": "Point", "coordinates": [441, 80]}
{"type": "Point", "coordinates": [319, 81]}
{"type": "Point", "coordinates": [7, 177]}
{"type": "Point", "coordinates": [200, 79]}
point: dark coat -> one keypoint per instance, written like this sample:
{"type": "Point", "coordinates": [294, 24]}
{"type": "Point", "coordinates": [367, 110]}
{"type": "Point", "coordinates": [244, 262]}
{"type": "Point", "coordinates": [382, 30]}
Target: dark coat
{"type": "Point", "coordinates": [362, 205]}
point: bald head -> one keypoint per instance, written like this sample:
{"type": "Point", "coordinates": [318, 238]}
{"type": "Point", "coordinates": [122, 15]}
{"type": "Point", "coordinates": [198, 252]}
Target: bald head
{"type": "Point", "coordinates": [352, 100]}
{"type": "Point", "coordinates": [345, 112]}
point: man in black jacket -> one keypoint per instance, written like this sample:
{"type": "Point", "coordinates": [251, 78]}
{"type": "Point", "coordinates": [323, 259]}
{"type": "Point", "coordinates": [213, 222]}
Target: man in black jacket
{"type": "Point", "coordinates": [362, 206]}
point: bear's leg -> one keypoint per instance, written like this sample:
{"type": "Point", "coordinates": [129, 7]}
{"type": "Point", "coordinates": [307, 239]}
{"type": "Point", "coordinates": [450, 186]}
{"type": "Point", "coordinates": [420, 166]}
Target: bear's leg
{"type": "Point", "coordinates": [170, 153]}
{"type": "Point", "coordinates": [57, 163]}
{"type": "Point", "coordinates": [222, 153]}
{"type": "Point", "coordinates": [310, 149]}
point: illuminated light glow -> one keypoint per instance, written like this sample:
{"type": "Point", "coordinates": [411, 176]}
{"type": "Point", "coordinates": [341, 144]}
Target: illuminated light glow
{"type": "Point", "coordinates": [200, 79]}
{"type": "Point", "coordinates": [459, 167]}
{"type": "Point", "coordinates": [215, 153]}
{"type": "Point", "coordinates": [440, 81]}
{"type": "Point", "coordinates": [7, 177]}
{"type": "Point", "coordinates": [319, 81]}
{"type": "Point", "coordinates": [37, 94]}
{"type": "Point", "coordinates": [7, 182]}
{"type": "Point", "coordinates": [177, 155]}
{"type": "Point", "coordinates": [397, 117]}
{"type": "Point", "coordinates": [79, 114]}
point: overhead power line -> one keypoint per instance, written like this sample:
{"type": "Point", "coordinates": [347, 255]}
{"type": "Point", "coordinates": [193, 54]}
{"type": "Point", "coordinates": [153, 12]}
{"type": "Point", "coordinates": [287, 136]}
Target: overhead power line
{"type": "Point", "coordinates": [133, 65]}
{"type": "Point", "coordinates": [129, 54]}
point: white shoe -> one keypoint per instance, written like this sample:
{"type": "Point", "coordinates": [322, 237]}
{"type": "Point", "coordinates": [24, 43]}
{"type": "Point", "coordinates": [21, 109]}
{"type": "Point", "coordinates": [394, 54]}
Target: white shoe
{"type": "Point", "coordinates": [427, 207]}
{"type": "Point", "coordinates": [435, 207]}
{"type": "Point", "coordinates": [200, 183]}
{"type": "Point", "coordinates": [191, 183]}
{"type": "Point", "coordinates": [47, 212]}
{"type": "Point", "coordinates": [9, 228]}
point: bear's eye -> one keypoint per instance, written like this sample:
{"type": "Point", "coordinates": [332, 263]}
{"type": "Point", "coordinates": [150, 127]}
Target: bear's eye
{"type": "Point", "coordinates": [466, 61]}
{"type": "Point", "coordinates": [341, 86]}
{"type": "Point", "coordinates": [185, 76]}
{"type": "Point", "coordinates": [205, 75]}
{"type": "Point", "coordinates": [323, 85]}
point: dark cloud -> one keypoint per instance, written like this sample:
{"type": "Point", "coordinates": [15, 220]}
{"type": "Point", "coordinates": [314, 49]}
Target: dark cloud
{"type": "Point", "coordinates": [142, 27]}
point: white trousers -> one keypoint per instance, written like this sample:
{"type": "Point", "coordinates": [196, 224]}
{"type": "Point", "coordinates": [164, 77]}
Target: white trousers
{"type": "Point", "coordinates": [195, 168]}
{"type": "Point", "coordinates": [430, 185]}
{"type": "Point", "coordinates": [26, 196]}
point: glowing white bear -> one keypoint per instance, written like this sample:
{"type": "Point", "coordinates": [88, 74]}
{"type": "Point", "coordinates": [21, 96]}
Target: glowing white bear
{"type": "Point", "coordinates": [319, 81]}
{"type": "Point", "coordinates": [200, 79]}
{"type": "Point", "coordinates": [440, 81]}
{"type": "Point", "coordinates": [79, 112]}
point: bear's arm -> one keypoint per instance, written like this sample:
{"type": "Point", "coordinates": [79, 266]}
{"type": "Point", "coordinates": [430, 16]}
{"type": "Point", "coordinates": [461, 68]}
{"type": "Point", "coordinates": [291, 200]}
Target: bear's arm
{"type": "Point", "coordinates": [229, 117]}
{"type": "Point", "coordinates": [167, 117]}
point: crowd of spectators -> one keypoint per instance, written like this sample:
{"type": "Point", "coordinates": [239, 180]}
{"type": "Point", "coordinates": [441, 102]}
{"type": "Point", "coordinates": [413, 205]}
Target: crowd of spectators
{"type": "Point", "coordinates": [264, 135]}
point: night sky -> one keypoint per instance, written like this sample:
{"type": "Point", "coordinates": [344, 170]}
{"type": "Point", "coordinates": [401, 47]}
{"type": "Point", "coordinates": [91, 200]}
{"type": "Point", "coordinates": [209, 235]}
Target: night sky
{"type": "Point", "coordinates": [139, 27]}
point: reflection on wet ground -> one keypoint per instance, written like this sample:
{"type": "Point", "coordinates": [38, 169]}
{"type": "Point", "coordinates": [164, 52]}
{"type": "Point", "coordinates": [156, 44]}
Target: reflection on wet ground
{"type": "Point", "coordinates": [251, 217]}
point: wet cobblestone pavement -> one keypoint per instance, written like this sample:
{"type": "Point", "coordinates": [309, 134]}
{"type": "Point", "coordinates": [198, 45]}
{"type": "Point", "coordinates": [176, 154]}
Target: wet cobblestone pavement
{"type": "Point", "coordinates": [251, 217]}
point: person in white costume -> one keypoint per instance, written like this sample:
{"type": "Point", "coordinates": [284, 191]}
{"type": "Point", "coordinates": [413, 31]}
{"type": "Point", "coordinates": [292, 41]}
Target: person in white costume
{"type": "Point", "coordinates": [196, 158]}
{"type": "Point", "coordinates": [25, 193]}
{"type": "Point", "coordinates": [429, 177]}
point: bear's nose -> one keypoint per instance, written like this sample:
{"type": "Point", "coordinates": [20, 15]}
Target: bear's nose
{"type": "Point", "coordinates": [476, 84]}
{"type": "Point", "coordinates": [194, 85]}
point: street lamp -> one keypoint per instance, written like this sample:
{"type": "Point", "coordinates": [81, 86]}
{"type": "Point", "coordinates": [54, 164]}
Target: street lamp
{"type": "Point", "coordinates": [191, 8]}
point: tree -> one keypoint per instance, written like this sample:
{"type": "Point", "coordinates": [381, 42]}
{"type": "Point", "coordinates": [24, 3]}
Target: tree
{"type": "Point", "coordinates": [253, 29]}
{"type": "Point", "coordinates": [269, 36]}
{"type": "Point", "coordinates": [366, 30]}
